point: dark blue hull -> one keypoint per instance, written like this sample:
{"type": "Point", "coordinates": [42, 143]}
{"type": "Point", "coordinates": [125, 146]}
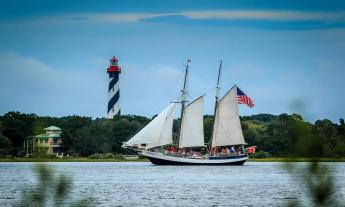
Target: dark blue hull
{"type": "Point", "coordinates": [158, 161]}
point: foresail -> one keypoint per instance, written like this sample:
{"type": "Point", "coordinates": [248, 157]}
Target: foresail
{"type": "Point", "coordinates": [192, 129]}
{"type": "Point", "coordinates": [227, 127]}
{"type": "Point", "coordinates": [158, 132]}
{"type": "Point", "coordinates": [165, 137]}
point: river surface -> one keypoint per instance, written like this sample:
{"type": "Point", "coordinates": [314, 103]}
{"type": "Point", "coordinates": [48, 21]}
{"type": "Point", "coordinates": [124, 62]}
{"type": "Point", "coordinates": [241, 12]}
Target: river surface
{"type": "Point", "coordinates": [144, 184]}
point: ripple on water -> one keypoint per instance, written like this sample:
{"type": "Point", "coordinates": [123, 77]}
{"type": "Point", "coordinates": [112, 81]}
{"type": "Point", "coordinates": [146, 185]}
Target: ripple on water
{"type": "Point", "coordinates": [143, 184]}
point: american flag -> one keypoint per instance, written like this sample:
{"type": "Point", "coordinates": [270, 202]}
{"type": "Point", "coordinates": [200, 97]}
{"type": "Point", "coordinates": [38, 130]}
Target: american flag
{"type": "Point", "coordinates": [242, 98]}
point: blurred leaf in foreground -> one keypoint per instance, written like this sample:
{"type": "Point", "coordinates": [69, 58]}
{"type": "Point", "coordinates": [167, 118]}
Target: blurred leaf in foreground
{"type": "Point", "coordinates": [315, 177]}
{"type": "Point", "coordinates": [51, 190]}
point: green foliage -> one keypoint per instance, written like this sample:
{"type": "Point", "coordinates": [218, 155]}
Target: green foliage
{"type": "Point", "coordinates": [106, 156]}
{"type": "Point", "coordinates": [51, 190]}
{"type": "Point", "coordinates": [4, 141]}
{"type": "Point", "coordinates": [81, 135]}
{"type": "Point", "coordinates": [318, 181]}
{"type": "Point", "coordinates": [3, 153]}
{"type": "Point", "coordinates": [314, 141]}
{"type": "Point", "coordinates": [261, 154]}
{"type": "Point", "coordinates": [208, 127]}
{"type": "Point", "coordinates": [16, 126]}
{"type": "Point", "coordinates": [85, 136]}
{"type": "Point", "coordinates": [42, 153]}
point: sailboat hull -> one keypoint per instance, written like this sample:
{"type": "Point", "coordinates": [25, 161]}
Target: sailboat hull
{"type": "Point", "coordinates": [161, 159]}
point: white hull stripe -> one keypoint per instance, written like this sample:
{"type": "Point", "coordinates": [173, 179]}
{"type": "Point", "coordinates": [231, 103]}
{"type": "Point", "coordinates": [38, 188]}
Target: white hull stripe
{"type": "Point", "coordinates": [187, 160]}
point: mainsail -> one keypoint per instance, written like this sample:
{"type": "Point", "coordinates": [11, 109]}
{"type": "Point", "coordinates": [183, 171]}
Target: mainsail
{"type": "Point", "coordinates": [158, 132]}
{"type": "Point", "coordinates": [227, 127]}
{"type": "Point", "coordinates": [192, 130]}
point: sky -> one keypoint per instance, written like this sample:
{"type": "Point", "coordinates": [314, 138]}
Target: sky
{"type": "Point", "coordinates": [288, 56]}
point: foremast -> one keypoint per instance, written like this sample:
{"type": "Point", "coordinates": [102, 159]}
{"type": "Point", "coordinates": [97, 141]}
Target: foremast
{"type": "Point", "coordinates": [183, 100]}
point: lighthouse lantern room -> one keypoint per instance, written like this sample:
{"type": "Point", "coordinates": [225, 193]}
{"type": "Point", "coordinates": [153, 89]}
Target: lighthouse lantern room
{"type": "Point", "coordinates": [114, 88]}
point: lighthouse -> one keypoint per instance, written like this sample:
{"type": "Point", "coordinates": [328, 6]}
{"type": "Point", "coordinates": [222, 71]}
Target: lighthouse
{"type": "Point", "coordinates": [114, 88]}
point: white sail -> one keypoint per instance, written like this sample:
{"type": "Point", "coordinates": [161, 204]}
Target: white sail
{"type": "Point", "coordinates": [227, 127]}
{"type": "Point", "coordinates": [158, 132]}
{"type": "Point", "coordinates": [166, 132]}
{"type": "Point", "coordinates": [192, 129]}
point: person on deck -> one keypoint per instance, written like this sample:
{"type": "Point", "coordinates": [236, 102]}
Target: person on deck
{"type": "Point", "coordinates": [232, 150]}
{"type": "Point", "coordinates": [173, 150]}
{"type": "Point", "coordinates": [223, 152]}
{"type": "Point", "coordinates": [212, 151]}
{"type": "Point", "coordinates": [202, 151]}
{"type": "Point", "coordinates": [183, 153]}
{"type": "Point", "coordinates": [227, 151]}
{"type": "Point", "coordinates": [239, 149]}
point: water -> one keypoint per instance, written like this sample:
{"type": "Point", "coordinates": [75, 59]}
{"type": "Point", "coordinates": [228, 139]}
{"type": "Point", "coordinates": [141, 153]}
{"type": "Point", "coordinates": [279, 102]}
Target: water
{"type": "Point", "coordinates": [144, 184]}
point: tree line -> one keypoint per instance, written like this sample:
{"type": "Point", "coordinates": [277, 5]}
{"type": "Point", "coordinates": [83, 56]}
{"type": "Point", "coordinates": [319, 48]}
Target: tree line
{"type": "Point", "coordinates": [274, 135]}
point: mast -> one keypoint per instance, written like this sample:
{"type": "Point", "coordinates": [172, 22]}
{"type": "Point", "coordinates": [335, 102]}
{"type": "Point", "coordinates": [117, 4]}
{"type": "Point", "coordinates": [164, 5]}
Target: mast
{"type": "Point", "coordinates": [183, 98]}
{"type": "Point", "coordinates": [184, 90]}
{"type": "Point", "coordinates": [217, 99]}
{"type": "Point", "coordinates": [218, 87]}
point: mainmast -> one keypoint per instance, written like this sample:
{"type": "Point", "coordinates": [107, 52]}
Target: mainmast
{"type": "Point", "coordinates": [217, 99]}
{"type": "Point", "coordinates": [183, 97]}
{"type": "Point", "coordinates": [184, 89]}
{"type": "Point", "coordinates": [218, 81]}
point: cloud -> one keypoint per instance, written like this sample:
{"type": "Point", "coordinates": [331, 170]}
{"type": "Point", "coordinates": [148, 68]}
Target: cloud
{"type": "Point", "coordinates": [32, 74]}
{"type": "Point", "coordinates": [30, 85]}
{"type": "Point", "coordinates": [225, 15]}
{"type": "Point", "coordinates": [89, 18]}
{"type": "Point", "coordinates": [110, 17]}
{"type": "Point", "coordinates": [271, 15]}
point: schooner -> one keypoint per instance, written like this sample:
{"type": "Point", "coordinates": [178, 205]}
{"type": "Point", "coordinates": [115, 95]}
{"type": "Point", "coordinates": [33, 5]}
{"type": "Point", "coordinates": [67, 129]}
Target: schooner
{"type": "Point", "coordinates": [156, 138]}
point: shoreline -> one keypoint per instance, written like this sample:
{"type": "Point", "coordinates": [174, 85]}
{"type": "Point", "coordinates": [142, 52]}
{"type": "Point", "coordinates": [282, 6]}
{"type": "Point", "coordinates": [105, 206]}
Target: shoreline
{"type": "Point", "coordinates": [85, 159]}
{"type": "Point", "coordinates": [299, 159]}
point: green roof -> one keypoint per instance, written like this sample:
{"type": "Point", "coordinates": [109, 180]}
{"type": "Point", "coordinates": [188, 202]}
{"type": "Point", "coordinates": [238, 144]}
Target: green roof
{"type": "Point", "coordinates": [52, 128]}
{"type": "Point", "coordinates": [46, 136]}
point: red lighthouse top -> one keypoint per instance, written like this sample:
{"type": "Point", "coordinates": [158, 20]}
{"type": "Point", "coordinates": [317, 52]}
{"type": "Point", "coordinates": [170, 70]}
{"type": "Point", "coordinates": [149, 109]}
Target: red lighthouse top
{"type": "Point", "coordinates": [113, 65]}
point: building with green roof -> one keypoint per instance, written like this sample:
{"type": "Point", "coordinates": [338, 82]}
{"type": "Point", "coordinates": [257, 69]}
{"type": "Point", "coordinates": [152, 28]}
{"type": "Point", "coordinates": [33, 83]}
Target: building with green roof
{"type": "Point", "coordinates": [49, 143]}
